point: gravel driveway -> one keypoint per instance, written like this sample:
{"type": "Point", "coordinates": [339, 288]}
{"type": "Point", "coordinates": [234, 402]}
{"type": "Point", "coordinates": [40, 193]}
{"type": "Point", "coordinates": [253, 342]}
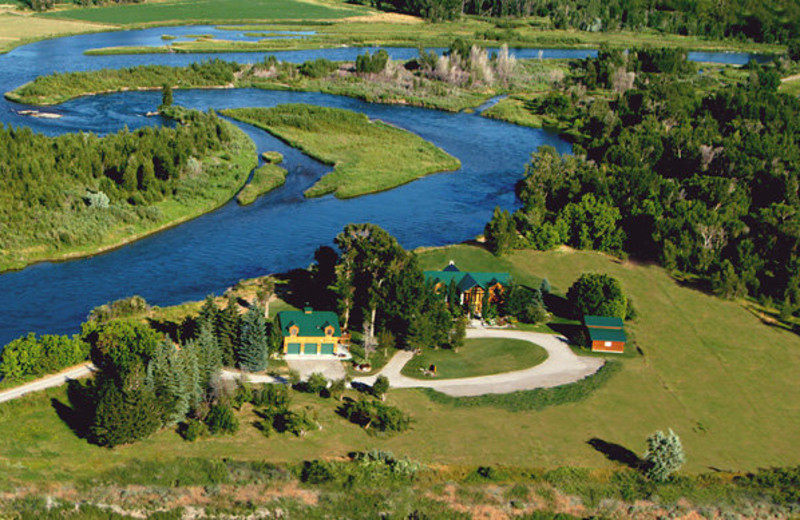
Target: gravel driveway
{"type": "Point", "coordinates": [561, 367]}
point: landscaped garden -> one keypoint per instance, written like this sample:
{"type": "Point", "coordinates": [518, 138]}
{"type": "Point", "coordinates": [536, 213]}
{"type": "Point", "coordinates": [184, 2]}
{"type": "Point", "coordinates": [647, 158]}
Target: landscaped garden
{"type": "Point", "coordinates": [478, 357]}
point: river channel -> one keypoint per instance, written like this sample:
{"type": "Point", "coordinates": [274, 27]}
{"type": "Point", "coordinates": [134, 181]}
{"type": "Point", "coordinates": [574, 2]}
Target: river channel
{"type": "Point", "coordinates": [280, 230]}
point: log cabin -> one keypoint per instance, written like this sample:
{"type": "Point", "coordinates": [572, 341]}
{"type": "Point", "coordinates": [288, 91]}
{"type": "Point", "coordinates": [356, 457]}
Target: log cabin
{"type": "Point", "coordinates": [471, 286]}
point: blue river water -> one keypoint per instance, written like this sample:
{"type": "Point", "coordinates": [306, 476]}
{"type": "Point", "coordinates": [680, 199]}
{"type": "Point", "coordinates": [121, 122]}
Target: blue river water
{"type": "Point", "coordinates": [280, 230]}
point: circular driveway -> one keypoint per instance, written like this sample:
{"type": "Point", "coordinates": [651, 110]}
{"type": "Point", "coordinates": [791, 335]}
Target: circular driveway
{"type": "Point", "coordinates": [561, 367]}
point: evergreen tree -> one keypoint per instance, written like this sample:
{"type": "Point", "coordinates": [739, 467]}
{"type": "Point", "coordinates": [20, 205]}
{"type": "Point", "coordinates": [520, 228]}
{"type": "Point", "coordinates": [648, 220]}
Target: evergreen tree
{"type": "Point", "coordinates": [126, 413]}
{"type": "Point", "coordinates": [453, 301]}
{"type": "Point", "coordinates": [227, 332]}
{"type": "Point", "coordinates": [500, 232]}
{"type": "Point", "coordinates": [208, 313]}
{"type": "Point", "coordinates": [166, 96]}
{"type": "Point", "coordinates": [252, 349]}
{"type": "Point", "coordinates": [208, 353]}
{"type": "Point", "coordinates": [664, 455]}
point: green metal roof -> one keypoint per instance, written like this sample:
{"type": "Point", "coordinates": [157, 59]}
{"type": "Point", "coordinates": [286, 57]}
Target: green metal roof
{"type": "Point", "coordinates": [603, 322]}
{"type": "Point", "coordinates": [466, 280]}
{"type": "Point", "coordinates": [309, 323]}
{"type": "Point", "coordinates": [596, 334]}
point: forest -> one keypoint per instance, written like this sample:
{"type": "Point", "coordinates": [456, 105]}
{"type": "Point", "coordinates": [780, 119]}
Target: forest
{"type": "Point", "coordinates": [704, 181]}
{"type": "Point", "coordinates": [772, 21]}
{"type": "Point", "coordinates": [72, 190]}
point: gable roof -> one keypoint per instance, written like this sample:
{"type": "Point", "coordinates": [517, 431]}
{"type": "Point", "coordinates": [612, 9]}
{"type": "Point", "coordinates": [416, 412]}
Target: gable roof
{"type": "Point", "coordinates": [451, 267]}
{"type": "Point", "coordinates": [596, 334]}
{"type": "Point", "coordinates": [605, 322]}
{"type": "Point", "coordinates": [309, 324]}
{"type": "Point", "coordinates": [466, 280]}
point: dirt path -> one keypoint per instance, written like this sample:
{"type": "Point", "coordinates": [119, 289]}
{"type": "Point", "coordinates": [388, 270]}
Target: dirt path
{"type": "Point", "coordinates": [561, 367]}
{"type": "Point", "coordinates": [50, 381]}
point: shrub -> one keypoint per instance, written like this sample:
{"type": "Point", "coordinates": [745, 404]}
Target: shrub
{"type": "Point", "coordinates": [192, 429]}
{"type": "Point", "coordinates": [298, 423]}
{"type": "Point", "coordinates": [366, 64]}
{"type": "Point", "coordinates": [316, 472]}
{"type": "Point", "coordinates": [31, 356]}
{"type": "Point", "coordinates": [375, 415]}
{"type": "Point", "coordinates": [273, 395]}
{"type": "Point", "coordinates": [221, 419]}
{"type": "Point", "coordinates": [317, 68]}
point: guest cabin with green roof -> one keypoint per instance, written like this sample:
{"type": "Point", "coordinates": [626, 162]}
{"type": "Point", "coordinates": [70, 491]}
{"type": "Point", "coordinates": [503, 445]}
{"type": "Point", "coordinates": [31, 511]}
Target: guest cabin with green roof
{"type": "Point", "coordinates": [310, 333]}
{"type": "Point", "coordinates": [606, 334]}
{"type": "Point", "coordinates": [470, 286]}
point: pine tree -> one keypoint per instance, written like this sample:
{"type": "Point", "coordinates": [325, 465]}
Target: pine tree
{"type": "Point", "coordinates": [208, 354]}
{"type": "Point", "coordinates": [664, 455]}
{"type": "Point", "coordinates": [126, 413]}
{"type": "Point", "coordinates": [208, 313]}
{"type": "Point", "coordinates": [252, 351]}
{"type": "Point", "coordinates": [227, 332]}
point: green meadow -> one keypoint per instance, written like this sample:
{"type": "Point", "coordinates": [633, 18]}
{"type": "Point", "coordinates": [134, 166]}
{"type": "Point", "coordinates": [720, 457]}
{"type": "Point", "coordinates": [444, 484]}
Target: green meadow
{"type": "Point", "coordinates": [186, 11]}
{"type": "Point", "coordinates": [709, 369]}
{"type": "Point", "coordinates": [368, 156]}
{"type": "Point", "coordinates": [265, 179]}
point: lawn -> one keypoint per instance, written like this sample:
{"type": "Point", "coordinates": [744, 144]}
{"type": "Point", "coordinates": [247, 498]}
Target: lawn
{"type": "Point", "coordinates": [711, 370]}
{"type": "Point", "coordinates": [478, 357]}
{"type": "Point", "coordinates": [368, 156]}
{"type": "Point", "coordinates": [186, 11]}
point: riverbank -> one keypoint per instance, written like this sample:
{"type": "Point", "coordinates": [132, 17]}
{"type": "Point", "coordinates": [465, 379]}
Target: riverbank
{"type": "Point", "coordinates": [416, 33]}
{"type": "Point", "coordinates": [368, 156]}
{"type": "Point", "coordinates": [221, 176]}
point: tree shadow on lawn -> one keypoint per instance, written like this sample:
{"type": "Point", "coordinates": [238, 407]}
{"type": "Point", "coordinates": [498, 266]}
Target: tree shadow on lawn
{"type": "Point", "coordinates": [558, 305]}
{"type": "Point", "coordinates": [76, 415]}
{"type": "Point", "coordinates": [617, 453]}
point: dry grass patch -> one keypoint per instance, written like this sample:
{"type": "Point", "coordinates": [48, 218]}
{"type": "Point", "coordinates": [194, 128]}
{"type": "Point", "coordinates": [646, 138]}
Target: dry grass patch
{"type": "Point", "coordinates": [17, 28]}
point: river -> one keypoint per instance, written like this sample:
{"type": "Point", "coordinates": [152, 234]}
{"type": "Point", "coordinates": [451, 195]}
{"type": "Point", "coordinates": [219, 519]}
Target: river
{"type": "Point", "coordinates": [280, 230]}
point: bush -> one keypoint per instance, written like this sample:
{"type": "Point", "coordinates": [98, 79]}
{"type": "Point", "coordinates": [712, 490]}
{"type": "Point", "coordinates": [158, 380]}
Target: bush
{"type": "Point", "coordinates": [221, 419]}
{"type": "Point", "coordinates": [273, 395]}
{"type": "Point", "coordinates": [31, 356]}
{"type": "Point", "coordinates": [192, 429]}
{"type": "Point", "coordinates": [366, 64]}
{"type": "Point", "coordinates": [317, 68]}
{"type": "Point", "coordinates": [316, 472]}
{"type": "Point", "coordinates": [375, 415]}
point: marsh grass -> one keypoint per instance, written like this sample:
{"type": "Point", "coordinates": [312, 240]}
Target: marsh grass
{"type": "Point", "coordinates": [265, 179]}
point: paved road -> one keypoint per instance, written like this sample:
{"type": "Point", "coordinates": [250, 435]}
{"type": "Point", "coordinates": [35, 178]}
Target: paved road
{"type": "Point", "coordinates": [561, 367]}
{"type": "Point", "coordinates": [47, 382]}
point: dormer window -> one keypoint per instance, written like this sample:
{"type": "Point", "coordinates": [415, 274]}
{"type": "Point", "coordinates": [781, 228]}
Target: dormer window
{"type": "Point", "coordinates": [329, 331]}
{"type": "Point", "coordinates": [294, 330]}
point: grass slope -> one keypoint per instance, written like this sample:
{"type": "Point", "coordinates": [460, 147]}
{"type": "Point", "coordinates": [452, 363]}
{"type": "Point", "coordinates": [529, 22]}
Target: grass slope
{"type": "Point", "coordinates": [713, 372]}
{"type": "Point", "coordinates": [185, 11]}
{"type": "Point", "coordinates": [478, 357]}
{"type": "Point", "coordinates": [265, 179]}
{"type": "Point", "coordinates": [368, 156]}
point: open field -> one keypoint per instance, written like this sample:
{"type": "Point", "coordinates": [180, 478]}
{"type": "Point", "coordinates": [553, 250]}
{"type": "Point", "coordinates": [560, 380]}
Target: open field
{"type": "Point", "coordinates": [368, 156]}
{"type": "Point", "coordinates": [478, 357]}
{"type": "Point", "coordinates": [184, 11]}
{"type": "Point", "coordinates": [17, 29]}
{"type": "Point", "coordinates": [725, 382]}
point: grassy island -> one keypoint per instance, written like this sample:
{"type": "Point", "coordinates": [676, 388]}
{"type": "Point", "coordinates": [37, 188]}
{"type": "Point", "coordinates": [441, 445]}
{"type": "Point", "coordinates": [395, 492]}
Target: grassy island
{"type": "Point", "coordinates": [368, 156]}
{"type": "Point", "coordinates": [265, 179]}
{"type": "Point", "coordinates": [92, 194]}
{"type": "Point", "coordinates": [478, 357]}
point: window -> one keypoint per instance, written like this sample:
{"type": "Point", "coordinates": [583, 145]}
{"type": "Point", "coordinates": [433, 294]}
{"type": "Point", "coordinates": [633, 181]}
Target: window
{"type": "Point", "coordinates": [608, 344]}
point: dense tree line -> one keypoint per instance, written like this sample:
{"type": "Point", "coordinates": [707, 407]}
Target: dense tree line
{"type": "Point", "coordinates": [67, 190]}
{"type": "Point", "coordinates": [773, 21]}
{"type": "Point", "coordinates": [705, 182]}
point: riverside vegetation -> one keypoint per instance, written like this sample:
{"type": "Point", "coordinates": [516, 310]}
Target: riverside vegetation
{"type": "Point", "coordinates": [368, 156]}
{"type": "Point", "coordinates": [464, 78]}
{"type": "Point", "coordinates": [79, 193]}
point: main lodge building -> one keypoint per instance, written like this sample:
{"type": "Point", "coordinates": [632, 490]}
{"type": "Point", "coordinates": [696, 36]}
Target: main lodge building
{"type": "Point", "coordinates": [471, 286]}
